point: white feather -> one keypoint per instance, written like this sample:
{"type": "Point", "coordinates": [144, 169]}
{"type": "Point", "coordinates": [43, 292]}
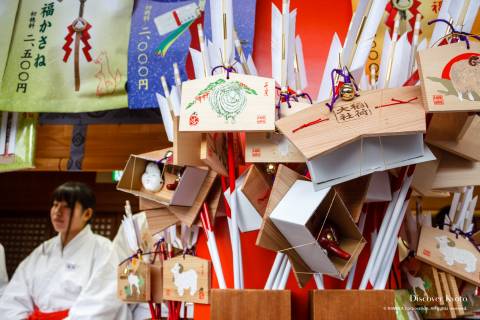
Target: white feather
{"type": "Point", "coordinates": [440, 29]}
{"type": "Point", "coordinates": [290, 47]}
{"type": "Point", "coordinates": [217, 9]}
{"type": "Point", "coordinates": [276, 44]}
{"type": "Point", "coordinates": [382, 73]}
{"type": "Point", "coordinates": [301, 64]}
{"type": "Point", "coordinates": [166, 116]}
{"type": "Point", "coordinates": [197, 63]}
{"type": "Point", "coordinates": [373, 18]}
{"type": "Point", "coordinates": [251, 66]}
{"type": "Point", "coordinates": [463, 18]}
{"type": "Point", "coordinates": [332, 63]}
{"type": "Point", "coordinates": [175, 100]}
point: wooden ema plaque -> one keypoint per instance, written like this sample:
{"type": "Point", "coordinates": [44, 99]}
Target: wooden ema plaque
{"type": "Point", "coordinates": [186, 278]}
{"type": "Point", "coordinates": [250, 304]}
{"type": "Point", "coordinates": [448, 253]}
{"type": "Point", "coordinates": [449, 76]}
{"type": "Point", "coordinates": [133, 281]}
{"type": "Point", "coordinates": [218, 104]}
{"type": "Point", "coordinates": [365, 116]}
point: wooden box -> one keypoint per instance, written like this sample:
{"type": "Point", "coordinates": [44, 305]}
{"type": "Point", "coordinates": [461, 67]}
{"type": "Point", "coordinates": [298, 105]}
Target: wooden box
{"type": "Point", "coordinates": [456, 132]}
{"type": "Point", "coordinates": [186, 191]}
{"type": "Point", "coordinates": [352, 304]}
{"type": "Point", "coordinates": [250, 304]}
{"type": "Point", "coordinates": [370, 133]}
{"type": "Point", "coordinates": [270, 236]}
{"type": "Point", "coordinates": [271, 147]}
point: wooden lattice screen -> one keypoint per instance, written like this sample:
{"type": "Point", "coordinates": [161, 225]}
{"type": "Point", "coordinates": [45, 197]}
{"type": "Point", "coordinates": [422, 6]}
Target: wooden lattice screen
{"type": "Point", "coordinates": [21, 233]}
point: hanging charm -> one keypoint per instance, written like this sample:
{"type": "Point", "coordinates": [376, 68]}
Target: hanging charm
{"type": "Point", "coordinates": [80, 28]}
{"type": "Point", "coordinates": [346, 89]}
{"type": "Point", "coordinates": [330, 242]}
{"type": "Point", "coordinates": [407, 9]}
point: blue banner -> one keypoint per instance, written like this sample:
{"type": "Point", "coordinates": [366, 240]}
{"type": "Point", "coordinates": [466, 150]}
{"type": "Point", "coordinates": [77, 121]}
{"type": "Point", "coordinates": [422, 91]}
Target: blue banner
{"type": "Point", "coordinates": [161, 34]}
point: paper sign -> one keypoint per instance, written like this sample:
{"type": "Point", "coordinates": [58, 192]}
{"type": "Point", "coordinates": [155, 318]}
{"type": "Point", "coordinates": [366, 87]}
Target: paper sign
{"type": "Point", "coordinates": [63, 57]}
{"type": "Point", "coordinates": [241, 103]}
{"type": "Point", "coordinates": [162, 32]}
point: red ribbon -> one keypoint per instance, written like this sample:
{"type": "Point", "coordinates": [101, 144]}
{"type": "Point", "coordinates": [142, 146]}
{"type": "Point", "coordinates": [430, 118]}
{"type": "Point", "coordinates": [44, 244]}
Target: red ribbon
{"type": "Point", "coordinates": [308, 124]}
{"type": "Point", "coordinates": [396, 102]}
{"type": "Point", "coordinates": [84, 38]}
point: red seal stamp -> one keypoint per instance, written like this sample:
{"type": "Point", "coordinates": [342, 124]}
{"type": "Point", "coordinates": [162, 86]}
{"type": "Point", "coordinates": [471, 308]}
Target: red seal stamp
{"type": "Point", "coordinates": [438, 100]}
{"type": "Point", "coordinates": [193, 120]}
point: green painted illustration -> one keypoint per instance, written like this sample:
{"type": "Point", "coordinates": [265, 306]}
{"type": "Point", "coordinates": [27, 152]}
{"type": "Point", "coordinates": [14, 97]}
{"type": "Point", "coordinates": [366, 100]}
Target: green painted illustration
{"type": "Point", "coordinates": [461, 77]}
{"type": "Point", "coordinates": [227, 99]}
{"type": "Point", "coordinates": [450, 90]}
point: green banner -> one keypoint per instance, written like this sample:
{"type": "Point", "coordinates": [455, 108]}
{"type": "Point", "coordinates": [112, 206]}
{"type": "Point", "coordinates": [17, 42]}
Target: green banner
{"type": "Point", "coordinates": [68, 56]}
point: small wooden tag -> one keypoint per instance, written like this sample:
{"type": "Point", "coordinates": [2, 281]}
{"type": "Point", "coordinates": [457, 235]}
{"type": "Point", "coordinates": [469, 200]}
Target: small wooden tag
{"type": "Point", "coordinates": [187, 279]}
{"type": "Point", "coordinates": [133, 281]}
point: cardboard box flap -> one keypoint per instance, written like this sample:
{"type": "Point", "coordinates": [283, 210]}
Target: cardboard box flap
{"type": "Point", "coordinates": [257, 187]}
{"type": "Point", "coordinates": [269, 237]}
{"type": "Point", "coordinates": [188, 215]}
{"type": "Point", "coordinates": [248, 218]}
{"type": "Point", "coordinates": [189, 186]}
{"type": "Point", "coordinates": [424, 175]}
{"type": "Point", "coordinates": [213, 152]}
{"type": "Point", "coordinates": [158, 216]}
{"type": "Point", "coordinates": [186, 147]}
{"type": "Point", "coordinates": [270, 147]}
{"type": "Point", "coordinates": [213, 203]}
{"type": "Point", "coordinates": [456, 132]}
{"type": "Point", "coordinates": [354, 193]}
{"type": "Point", "coordinates": [343, 167]}
{"type": "Point", "coordinates": [454, 171]}
{"type": "Point", "coordinates": [365, 116]}
{"type": "Point", "coordinates": [154, 155]}
{"type": "Point", "coordinates": [379, 188]}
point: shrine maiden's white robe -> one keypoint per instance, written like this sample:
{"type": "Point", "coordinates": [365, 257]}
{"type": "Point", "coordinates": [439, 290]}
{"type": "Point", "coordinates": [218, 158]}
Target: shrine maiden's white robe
{"type": "Point", "coordinates": [99, 300]}
{"type": "Point", "coordinates": [3, 271]}
{"type": "Point", "coordinates": [52, 280]}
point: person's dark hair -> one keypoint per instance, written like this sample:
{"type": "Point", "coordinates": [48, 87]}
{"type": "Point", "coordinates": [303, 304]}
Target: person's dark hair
{"type": "Point", "coordinates": [72, 192]}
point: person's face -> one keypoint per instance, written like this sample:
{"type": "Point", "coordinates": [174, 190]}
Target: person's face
{"type": "Point", "coordinates": [60, 216]}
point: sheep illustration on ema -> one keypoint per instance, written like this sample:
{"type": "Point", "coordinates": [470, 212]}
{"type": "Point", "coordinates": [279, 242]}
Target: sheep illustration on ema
{"type": "Point", "coordinates": [186, 278]}
{"type": "Point", "coordinates": [461, 77]}
{"type": "Point", "coordinates": [452, 254]}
